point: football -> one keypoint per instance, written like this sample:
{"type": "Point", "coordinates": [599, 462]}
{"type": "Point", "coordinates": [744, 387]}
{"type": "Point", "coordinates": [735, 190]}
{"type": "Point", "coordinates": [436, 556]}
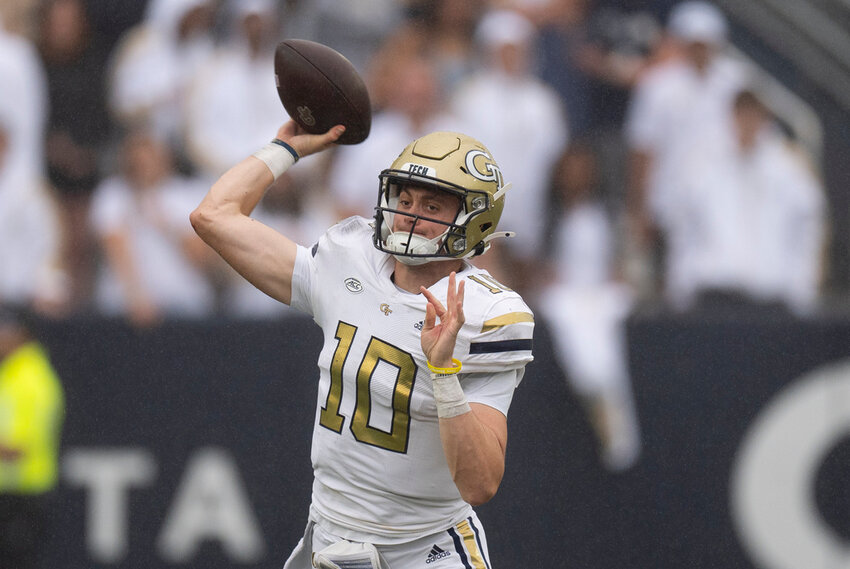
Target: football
{"type": "Point", "coordinates": [320, 88]}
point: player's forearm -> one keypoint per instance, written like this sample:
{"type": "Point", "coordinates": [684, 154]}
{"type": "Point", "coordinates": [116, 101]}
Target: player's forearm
{"type": "Point", "coordinates": [475, 456]}
{"type": "Point", "coordinates": [239, 189]}
{"type": "Point", "coordinates": [260, 254]}
{"type": "Point", "coordinates": [233, 196]}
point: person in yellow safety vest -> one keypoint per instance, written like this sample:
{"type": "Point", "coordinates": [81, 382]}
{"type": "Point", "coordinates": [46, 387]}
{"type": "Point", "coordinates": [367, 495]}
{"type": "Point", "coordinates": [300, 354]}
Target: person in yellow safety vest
{"type": "Point", "coordinates": [31, 415]}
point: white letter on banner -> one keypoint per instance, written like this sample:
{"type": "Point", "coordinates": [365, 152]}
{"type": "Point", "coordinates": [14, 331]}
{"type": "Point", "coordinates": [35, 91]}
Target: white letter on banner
{"type": "Point", "coordinates": [774, 475]}
{"type": "Point", "coordinates": [108, 475]}
{"type": "Point", "coordinates": [211, 504]}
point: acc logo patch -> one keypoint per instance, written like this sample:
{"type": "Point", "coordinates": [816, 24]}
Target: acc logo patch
{"type": "Point", "coordinates": [353, 285]}
{"type": "Point", "coordinates": [490, 172]}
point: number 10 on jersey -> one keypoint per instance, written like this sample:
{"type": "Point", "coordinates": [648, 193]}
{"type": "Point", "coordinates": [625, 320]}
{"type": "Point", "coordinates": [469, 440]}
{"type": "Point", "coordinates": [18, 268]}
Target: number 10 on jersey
{"type": "Point", "coordinates": [377, 351]}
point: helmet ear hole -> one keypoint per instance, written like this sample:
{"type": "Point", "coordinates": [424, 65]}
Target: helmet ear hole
{"type": "Point", "coordinates": [485, 226]}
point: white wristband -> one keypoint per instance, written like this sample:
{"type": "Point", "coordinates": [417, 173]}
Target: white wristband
{"type": "Point", "coordinates": [451, 401]}
{"type": "Point", "coordinates": [278, 156]}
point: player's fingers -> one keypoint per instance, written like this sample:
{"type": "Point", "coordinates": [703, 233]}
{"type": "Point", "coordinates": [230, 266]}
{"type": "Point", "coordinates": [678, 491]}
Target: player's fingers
{"type": "Point", "coordinates": [438, 306]}
{"type": "Point", "coordinates": [306, 144]}
{"type": "Point", "coordinates": [332, 135]}
{"type": "Point", "coordinates": [459, 303]}
{"type": "Point", "coordinates": [430, 317]}
{"type": "Point", "coordinates": [321, 141]}
{"type": "Point", "coordinates": [288, 129]}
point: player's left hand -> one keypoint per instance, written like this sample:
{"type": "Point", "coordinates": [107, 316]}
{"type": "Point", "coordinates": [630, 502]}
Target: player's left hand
{"type": "Point", "coordinates": [438, 340]}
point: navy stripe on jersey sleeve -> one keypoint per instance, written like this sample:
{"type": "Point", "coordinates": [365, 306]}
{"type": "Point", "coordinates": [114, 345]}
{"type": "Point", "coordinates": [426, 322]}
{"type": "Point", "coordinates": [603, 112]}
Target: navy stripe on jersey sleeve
{"type": "Point", "coordinates": [500, 346]}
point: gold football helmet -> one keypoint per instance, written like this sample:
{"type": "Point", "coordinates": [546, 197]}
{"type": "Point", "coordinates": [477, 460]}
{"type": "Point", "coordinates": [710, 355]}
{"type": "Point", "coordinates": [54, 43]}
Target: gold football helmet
{"type": "Point", "coordinates": [449, 162]}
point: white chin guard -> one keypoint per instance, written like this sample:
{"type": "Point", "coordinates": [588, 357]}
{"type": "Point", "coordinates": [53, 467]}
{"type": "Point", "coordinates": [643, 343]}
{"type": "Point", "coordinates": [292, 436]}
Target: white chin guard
{"type": "Point", "coordinates": [405, 244]}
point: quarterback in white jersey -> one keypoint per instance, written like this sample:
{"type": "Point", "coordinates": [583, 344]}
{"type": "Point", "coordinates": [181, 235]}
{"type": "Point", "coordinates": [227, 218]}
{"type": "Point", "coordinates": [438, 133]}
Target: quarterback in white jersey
{"type": "Point", "coordinates": [422, 350]}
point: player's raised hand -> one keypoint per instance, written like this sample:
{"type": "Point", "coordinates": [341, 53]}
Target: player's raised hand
{"type": "Point", "coordinates": [438, 340]}
{"type": "Point", "coordinates": [305, 143]}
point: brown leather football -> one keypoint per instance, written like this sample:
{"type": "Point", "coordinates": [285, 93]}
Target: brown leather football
{"type": "Point", "coordinates": [320, 88]}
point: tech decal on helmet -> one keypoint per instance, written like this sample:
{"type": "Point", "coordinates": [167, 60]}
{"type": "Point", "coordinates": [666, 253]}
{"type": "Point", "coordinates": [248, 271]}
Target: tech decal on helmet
{"type": "Point", "coordinates": [448, 162]}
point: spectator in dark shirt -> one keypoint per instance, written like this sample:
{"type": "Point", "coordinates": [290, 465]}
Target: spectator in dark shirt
{"type": "Point", "coordinates": [77, 127]}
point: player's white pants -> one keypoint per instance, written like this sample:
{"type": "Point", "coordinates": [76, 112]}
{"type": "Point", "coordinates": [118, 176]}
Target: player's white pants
{"type": "Point", "coordinates": [462, 546]}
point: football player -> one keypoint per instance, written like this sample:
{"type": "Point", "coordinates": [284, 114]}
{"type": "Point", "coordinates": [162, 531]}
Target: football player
{"type": "Point", "coordinates": [422, 350]}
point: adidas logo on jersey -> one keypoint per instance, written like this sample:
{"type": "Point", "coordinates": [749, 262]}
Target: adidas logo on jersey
{"type": "Point", "coordinates": [437, 554]}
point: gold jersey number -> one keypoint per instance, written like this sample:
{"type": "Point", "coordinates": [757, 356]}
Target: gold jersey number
{"type": "Point", "coordinates": [377, 351]}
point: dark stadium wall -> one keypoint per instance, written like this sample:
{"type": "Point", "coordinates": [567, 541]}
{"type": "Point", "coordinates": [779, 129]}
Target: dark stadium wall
{"type": "Point", "coordinates": [188, 446]}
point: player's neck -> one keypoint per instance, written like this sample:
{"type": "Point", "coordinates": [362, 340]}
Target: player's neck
{"type": "Point", "coordinates": [411, 277]}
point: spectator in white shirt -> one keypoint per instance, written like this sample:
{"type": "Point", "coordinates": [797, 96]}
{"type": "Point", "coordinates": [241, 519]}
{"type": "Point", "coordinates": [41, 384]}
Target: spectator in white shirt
{"type": "Point", "coordinates": [752, 223]}
{"type": "Point", "coordinates": [680, 111]}
{"type": "Point", "coordinates": [232, 100]}
{"type": "Point", "coordinates": [523, 122]}
{"type": "Point", "coordinates": [230, 105]}
{"type": "Point", "coordinates": [154, 63]}
{"type": "Point", "coordinates": [155, 265]}
{"type": "Point", "coordinates": [30, 264]}
{"type": "Point", "coordinates": [23, 87]}
{"type": "Point", "coordinates": [586, 307]}
{"type": "Point", "coordinates": [31, 272]}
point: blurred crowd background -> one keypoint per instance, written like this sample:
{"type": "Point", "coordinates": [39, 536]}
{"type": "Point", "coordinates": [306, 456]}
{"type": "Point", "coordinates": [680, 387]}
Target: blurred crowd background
{"type": "Point", "coordinates": [663, 155]}
{"type": "Point", "coordinates": [652, 163]}
{"type": "Point", "coordinates": [682, 158]}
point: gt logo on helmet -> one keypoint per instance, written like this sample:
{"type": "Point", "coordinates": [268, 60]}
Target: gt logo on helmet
{"type": "Point", "coordinates": [492, 174]}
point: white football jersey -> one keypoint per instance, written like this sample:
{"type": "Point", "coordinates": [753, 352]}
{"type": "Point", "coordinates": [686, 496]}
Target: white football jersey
{"type": "Point", "coordinates": [380, 472]}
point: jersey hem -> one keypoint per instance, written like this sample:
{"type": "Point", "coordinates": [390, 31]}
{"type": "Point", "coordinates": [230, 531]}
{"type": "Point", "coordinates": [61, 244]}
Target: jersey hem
{"type": "Point", "coordinates": [361, 534]}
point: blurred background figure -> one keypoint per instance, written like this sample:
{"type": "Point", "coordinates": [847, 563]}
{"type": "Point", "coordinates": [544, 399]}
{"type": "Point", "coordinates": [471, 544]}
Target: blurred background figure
{"type": "Point", "coordinates": [355, 28]}
{"type": "Point", "coordinates": [593, 53]}
{"type": "Point", "coordinates": [447, 30]}
{"type": "Point", "coordinates": [753, 223]}
{"type": "Point", "coordinates": [156, 61]}
{"type": "Point", "coordinates": [31, 414]}
{"type": "Point", "coordinates": [24, 89]}
{"type": "Point", "coordinates": [18, 16]}
{"type": "Point", "coordinates": [587, 305]}
{"type": "Point", "coordinates": [681, 110]}
{"type": "Point", "coordinates": [78, 129]}
{"type": "Point", "coordinates": [232, 105]}
{"type": "Point", "coordinates": [32, 268]}
{"type": "Point", "coordinates": [414, 106]}
{"type": "Point", "coordinates": [232, 101]}
{"type": "Point", "coordinates": [522, 122]}
{"type": "Point", "coordinates": [155, 266]}
{"type": "Point", "coordinates": [441, 32]}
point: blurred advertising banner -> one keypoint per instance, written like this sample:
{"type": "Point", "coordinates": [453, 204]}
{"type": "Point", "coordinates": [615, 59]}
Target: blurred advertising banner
{"type": "Point", "coordinates": [188, 445]}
